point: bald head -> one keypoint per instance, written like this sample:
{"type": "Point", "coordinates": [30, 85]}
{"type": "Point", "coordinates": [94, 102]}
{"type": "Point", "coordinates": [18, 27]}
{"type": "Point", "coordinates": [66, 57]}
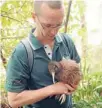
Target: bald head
{"type": "Point", "coordinates": [53, 4]}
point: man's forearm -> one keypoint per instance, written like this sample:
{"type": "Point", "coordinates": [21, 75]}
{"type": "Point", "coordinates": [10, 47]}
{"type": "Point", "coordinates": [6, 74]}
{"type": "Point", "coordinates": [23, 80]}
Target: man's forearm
{"type": "Point", "coordinates": [30, 97]}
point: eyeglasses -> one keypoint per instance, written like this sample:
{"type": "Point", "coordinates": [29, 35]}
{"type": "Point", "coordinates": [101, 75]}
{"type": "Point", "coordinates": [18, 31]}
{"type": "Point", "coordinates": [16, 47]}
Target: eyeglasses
{"type": "Point", "coordinates": [49, 26]}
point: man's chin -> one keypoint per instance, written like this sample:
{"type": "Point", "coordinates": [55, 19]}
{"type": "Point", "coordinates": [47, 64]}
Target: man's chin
{"type": "Point", "coordinates": [51, 38]}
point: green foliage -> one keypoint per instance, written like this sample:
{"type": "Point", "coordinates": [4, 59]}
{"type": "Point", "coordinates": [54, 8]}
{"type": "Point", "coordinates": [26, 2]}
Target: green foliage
{"type": "Point", "coordinates": [76, 14]}
{"type": "Point", "coordinates": [86, 104]}
{"type": "Point", "coordinates": [15, 25]}
{"type": "Point", "coordinates": [15, 12]}
{"type": "Point", "coordinates": [3, 93]}
{"type": "Point", "coordinates": [89, 90]}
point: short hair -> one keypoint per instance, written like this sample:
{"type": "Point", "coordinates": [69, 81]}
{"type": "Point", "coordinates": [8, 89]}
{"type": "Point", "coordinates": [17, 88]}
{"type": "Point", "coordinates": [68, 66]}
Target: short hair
{"type": "Point", "coordinates": [53, 4]}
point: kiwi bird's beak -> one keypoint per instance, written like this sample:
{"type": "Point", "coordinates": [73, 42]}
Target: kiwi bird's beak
{"type": "Point", "coordinates": [53, 77]}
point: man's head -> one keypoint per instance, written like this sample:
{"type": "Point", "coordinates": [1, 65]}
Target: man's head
{"type": "Point", "coordinates": [56, 4]}
{"type": "Point", "coordinates": [48, 16]}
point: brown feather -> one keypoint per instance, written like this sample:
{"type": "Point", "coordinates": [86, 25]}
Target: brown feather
{"type": "Point", "coordinates": [66, 71]}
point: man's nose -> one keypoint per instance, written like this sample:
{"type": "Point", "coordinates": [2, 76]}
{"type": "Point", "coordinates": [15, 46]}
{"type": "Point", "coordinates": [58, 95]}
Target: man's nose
{"type": "Point", "coordinates": [54, 31]}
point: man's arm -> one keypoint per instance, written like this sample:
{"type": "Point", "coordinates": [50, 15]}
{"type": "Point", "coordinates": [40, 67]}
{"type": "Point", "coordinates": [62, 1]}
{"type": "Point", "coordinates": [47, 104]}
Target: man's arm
{"type": "Point", "coordinates": [28, 96]}
{"type": "Point", "coordinates": [32, 96]}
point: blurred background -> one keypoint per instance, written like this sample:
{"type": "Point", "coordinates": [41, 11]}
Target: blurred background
{"type": "Point", "coordinates": [83, 24]}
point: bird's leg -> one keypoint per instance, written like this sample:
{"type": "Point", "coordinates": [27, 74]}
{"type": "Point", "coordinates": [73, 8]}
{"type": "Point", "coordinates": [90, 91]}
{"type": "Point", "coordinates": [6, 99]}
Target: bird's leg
{"type": "Point", "coordinates": [57, 96]}
{"type": "Point", "coordinates": [62, 98]}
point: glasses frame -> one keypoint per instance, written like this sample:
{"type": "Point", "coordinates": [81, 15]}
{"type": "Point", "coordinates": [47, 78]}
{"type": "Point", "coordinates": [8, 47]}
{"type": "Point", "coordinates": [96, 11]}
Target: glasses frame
{"type": "Point", "coordinates": [44, 26]}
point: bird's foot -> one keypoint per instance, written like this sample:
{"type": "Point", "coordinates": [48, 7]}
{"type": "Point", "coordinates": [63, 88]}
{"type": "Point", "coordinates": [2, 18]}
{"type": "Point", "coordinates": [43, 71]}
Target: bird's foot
{"type": "Point", "coordinates": [57, 96]}
{"type": "Point", "coordinates": [62, 98]}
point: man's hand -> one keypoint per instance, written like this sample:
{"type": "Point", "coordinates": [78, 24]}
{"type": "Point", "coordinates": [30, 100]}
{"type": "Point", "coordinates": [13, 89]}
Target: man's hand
{"type": "Point", "coordinates": [61, 88]}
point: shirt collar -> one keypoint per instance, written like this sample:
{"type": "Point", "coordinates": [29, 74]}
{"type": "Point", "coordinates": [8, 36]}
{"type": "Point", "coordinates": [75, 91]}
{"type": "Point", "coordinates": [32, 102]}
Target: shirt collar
{"type": "Point", "coordinates": [36, 43]}
{"type": "Point", "coordinates": [58, 38]}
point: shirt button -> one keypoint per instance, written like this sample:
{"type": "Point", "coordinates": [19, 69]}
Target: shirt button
{"type": "Point", "coordinates": [49, 53]}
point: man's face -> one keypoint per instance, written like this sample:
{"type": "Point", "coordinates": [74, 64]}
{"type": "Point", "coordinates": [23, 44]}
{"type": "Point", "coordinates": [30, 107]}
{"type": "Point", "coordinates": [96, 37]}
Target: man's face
{"type": "Point", "coordinates": [49, 21]}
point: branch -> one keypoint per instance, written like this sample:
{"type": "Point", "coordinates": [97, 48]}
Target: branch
{"type": "Point", "coordinates": [4, 61]}
{"type": "Point", "coordinates": [14, 19]}
{"type": "Point", "coordinates": [12, 37]}
{"type": "Point", "coordinates": [67, 17]}
{"type": "Point", "coordinates": [11, 18]}
{"type": "Point", "coordinates": [7, 12]}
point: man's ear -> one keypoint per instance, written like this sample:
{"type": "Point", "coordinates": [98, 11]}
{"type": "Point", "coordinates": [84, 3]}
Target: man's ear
{"type": "Point", "coordinates": [33, 15]}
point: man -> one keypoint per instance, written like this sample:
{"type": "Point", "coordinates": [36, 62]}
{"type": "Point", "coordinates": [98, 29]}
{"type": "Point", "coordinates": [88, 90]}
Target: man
{"type": "Point", "coordinates": [47, 45]}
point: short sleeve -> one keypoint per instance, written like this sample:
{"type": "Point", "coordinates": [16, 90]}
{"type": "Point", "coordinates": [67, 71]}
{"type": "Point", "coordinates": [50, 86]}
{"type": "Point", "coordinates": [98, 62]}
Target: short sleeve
{"type": "Point", "coordinates": [17, 74]}
{"type": "Point", "coordinates": [72, 49]}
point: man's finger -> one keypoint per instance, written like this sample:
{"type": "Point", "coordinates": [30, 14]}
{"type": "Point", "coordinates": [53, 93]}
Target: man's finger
{"type": "Point", "coordinates": [69, 87]}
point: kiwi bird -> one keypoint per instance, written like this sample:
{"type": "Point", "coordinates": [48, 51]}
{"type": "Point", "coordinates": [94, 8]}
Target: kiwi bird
{"type": "Point", "coordinates": [66, 71]}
